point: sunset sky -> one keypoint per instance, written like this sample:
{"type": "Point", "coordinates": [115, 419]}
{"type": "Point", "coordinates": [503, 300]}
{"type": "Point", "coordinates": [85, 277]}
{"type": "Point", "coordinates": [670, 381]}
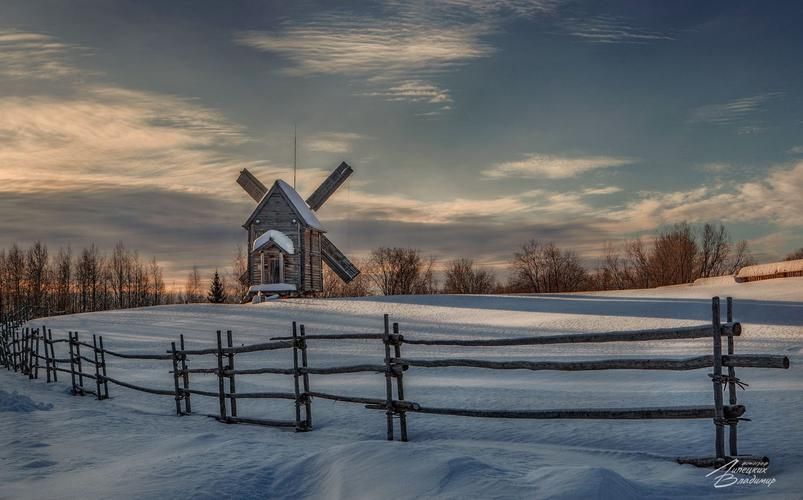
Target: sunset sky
{"type": "Point", "coordinates": [472, 126]}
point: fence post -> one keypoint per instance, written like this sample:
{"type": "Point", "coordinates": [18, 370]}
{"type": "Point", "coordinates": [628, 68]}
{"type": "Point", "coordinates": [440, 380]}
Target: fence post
{"type": "Point", "coordinates": [79, 363]}
{"type": "Point", "coordinates": [299, 427]}
{"type": "Point", "coordinates": [35, 355]}
{"type": "Point", "coordinates": [47, 354]}
{"type": "Point", "coordinates": [26, 355]}
{"type": "Point", "coordinates": [98, 377]}
{"type": "Point", "coordinates": [185, 377]}
{"type": "Point", "coordinates": [232, 390]}
{"type": "Point", "coordinates": [103, 368]}
{"type": "Point", "coordinates": [400, 382]}
{"type": "Point", "coordinates": [53, 355]}
{"type": "Point", "coordinates": [388, 380]}
{"type": "Point", "coordinates": [175, 378]}
{"type": "Point", "coordinates": [719, 412]}
{"type": "Point", "coordinates": [32, 332]}
{"type": "Point", "coordinates": [221, 389]}
{"type": "Point", "coordinates": [72, 363]}
{"type": "Point", "coordinates": [732, 384]}
{"type": "Point", "coordinates": [307, 399]}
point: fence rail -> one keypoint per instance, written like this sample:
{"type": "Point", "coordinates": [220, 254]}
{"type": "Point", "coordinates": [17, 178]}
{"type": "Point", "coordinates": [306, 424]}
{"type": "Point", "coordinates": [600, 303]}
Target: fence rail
{"type": "Point", "coordinates": [26, 349]}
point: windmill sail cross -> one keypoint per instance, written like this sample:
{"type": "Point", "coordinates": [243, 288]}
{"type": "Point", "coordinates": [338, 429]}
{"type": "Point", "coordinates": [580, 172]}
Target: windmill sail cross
{"type": "Point", "coordinates": [252, 185]}
{"type": "Point", "coordinates": [337, 262]}
{"type": "Point", "coordinates": [329, 186]}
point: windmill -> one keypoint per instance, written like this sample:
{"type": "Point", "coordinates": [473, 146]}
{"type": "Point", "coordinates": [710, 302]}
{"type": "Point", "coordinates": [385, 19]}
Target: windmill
{"type": "Point", "coordinates": [286, 242]}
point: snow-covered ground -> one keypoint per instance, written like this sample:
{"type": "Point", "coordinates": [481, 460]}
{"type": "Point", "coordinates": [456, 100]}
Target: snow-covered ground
{"type": "Point", "coordinates": [53, 445]}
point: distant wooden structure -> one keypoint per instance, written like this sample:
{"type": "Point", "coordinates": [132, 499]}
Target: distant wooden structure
{"type": "Point", "coordinates": [785, 269]}
{"type": "Point", "coordinates": [287, 244]}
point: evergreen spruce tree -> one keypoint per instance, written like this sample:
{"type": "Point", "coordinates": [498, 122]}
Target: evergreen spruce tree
{"type": "Point", "coordinates": [217, 291]}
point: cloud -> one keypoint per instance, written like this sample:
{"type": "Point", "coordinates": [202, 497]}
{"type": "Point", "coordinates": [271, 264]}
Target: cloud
{"type": "Point", "coordinates": [398, 54]}
{"type": "Point", "coordinates": [331, 142]}
{"type": "Point", "coordinates": [107, 134]}
{"type": "Point", "coordinates": [611, 30]}
{"type": "Point", "coordinates": [776, 196]}
{"type": "Point", "coordinates": [553, 167]}
{"type": "Point", "coordinates": [34, 56]}
{"type": "Point", "coordinates": [736, 112]}
{"type": "Point", "coordinates": [795, 150]}
{"type": "Point", "coordinates": [415, 91]}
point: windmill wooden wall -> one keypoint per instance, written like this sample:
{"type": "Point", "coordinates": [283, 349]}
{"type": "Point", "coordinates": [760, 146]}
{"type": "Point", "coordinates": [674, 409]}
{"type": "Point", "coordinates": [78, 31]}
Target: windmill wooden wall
{"type": "Point", "coordinates": [278, 214]}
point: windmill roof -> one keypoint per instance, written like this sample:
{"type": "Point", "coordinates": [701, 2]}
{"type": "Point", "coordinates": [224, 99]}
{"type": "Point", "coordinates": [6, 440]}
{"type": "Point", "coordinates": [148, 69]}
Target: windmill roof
{"type": "Point", "coordinates": [295, 200]}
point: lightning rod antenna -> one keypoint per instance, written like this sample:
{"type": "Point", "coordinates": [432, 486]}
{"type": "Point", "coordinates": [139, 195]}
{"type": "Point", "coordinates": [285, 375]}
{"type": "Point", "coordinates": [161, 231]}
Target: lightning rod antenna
{"type": "Point", "coordinates": [295, 151]}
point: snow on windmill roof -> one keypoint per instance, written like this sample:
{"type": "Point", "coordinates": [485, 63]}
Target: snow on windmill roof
{"type": "Point", "coordinates": [278, 238]}
{"type": "Point", "coordinates": [303, 210]}
{"type": "Point", "coordinates": [300, 205]}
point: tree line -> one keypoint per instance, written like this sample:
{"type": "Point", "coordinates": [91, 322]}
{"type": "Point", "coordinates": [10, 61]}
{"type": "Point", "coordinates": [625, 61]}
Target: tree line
{"type": "Point", "coordinates": [92, 280]}
{"type": "Point", "coordinates": [674, 255]}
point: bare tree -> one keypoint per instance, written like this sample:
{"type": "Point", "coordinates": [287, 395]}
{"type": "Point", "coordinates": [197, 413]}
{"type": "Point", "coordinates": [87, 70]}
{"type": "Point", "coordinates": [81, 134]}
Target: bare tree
{"type": "Point", "coordinates": [36, 266]}
{"type": "Point", "coordinates": [238, 282]}
{"type": "Point", "coordinates": [463, 277]}
{"type": "Point", "coordinates": [360, 286]}
{"type": "Point", "coordinates": [193, 287]}
{"type": "Point", "coordinates": [401, 271]}
{"type": "Point", "coordinates": [715, 248]}
{"type": "Point", "coordinates": [797, 254]}
{"type": "Point", "coordinates": [740, 258]}
{"type": "Point", "coordinates": [63, 279]}
{"type": "Point", "coordinates": [157, 282]}
{"type": "Point", "coordinates": [546, 269]}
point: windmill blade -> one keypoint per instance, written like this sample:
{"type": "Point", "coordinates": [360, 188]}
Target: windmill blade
{"type": "Point", "coordinates": [336, 261]}
{"type": "Point", "coordinates": [329, 186]}
{"type": "Point", "coordinates": [252, 185]}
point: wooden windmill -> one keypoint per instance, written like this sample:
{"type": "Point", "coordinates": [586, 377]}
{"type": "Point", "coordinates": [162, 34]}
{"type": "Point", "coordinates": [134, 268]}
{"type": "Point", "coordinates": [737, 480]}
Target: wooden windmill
{"type": "Point", "coordinates": [286, 241]}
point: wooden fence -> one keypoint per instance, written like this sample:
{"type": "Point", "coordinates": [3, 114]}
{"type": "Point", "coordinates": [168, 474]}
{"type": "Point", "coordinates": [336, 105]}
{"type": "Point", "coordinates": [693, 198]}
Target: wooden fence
{"type": "Point", "coordinates": [26, 349]}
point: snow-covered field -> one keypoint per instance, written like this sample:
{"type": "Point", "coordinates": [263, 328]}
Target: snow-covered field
{"type": "Point", "coordinates": [53, 445]}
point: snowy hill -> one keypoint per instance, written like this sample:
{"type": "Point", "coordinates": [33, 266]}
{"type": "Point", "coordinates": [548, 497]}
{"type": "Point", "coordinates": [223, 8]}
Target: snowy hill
{"type": "Point", "coordinates": [132, 446]}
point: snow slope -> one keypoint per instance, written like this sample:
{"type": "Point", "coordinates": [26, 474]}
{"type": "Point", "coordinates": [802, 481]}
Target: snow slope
{"type": "Point", "coordinates": [53, 445]}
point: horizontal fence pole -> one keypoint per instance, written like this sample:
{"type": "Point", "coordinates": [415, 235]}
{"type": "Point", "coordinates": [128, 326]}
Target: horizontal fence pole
{"type": "Point", "coordinates": [138, 355]}
{"type": "Point", "coordinates": [690, 332]}
{"type": "Point", "coordinates": [159, 392]}
{"type": "Point", "coordinates": [679, 412]}
{"type": "Point", "coordinates": [289, 371]}
{"type": "Point", "coordinates": [367, 401]}
{"type": "Point", "coordinates": [65, 370]}
{"type": "Point", "coordinates": [201, 393]}
{"type": "Point", "coordinates": [339, 336]}
{"type": "Point", "coordinates": [260, 421]}
{"type": "Point", "coordinates": [746, 361]}
{"type": "Point", "coordinates": [262, 395]}
{"type": "Point", "coordinates": [267, 346]}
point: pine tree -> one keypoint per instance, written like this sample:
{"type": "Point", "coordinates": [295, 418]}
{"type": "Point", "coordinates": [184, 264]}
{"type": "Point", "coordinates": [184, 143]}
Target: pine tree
{"type": "Point", "coordinates": [217, 290]}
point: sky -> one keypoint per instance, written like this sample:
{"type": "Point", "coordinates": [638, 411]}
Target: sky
{"type": "Point", "coordinates": [472, 126]}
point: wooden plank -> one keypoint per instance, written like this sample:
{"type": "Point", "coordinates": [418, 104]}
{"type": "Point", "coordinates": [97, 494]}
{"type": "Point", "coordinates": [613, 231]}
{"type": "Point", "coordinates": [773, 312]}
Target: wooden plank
{"type": "Point", "coordinates": [185, 375]}
{"type": "Point", "coordinates": [719, 414]}
{"type": "Point", "coordinates": [305, 379]}
{"type": "Point", "coordinates": [678, 412]}
{"type": "Point", "coordinates": [221, 390]}
{"type": "Point", "coordinates": [732, 432]}
{"type": "Point", "coordinates": [689, 332]}
{"type": "Point", "coordinates": [296, 386]}
{"type": "Point", "coordinates": [750, 360]}
{"type": "Point", "coordinates": [337, 261]}
{"type": "Point", "coordinates": [251, 185]}
{"type": "Point", "coordinates": [329, 186]}
{"type": "Point", "coordinates": [232, 389]}
{"type": "Point", "coordinates": [177, 390]}
{"type": "Point", "coordinates": [400, 386]}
